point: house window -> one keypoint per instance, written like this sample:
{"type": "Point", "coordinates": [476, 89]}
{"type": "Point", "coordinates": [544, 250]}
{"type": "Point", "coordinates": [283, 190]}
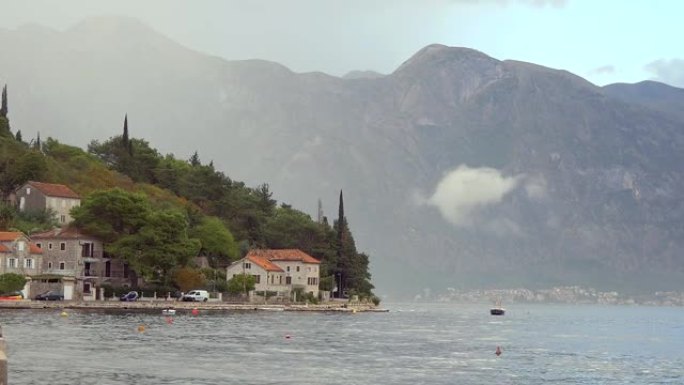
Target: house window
{"type": "Point", "coordinates": [257, 278]}
{"type": "Point", "coordinates": [108, 269]}
{"type": "Point", "coordinates": [62, 246]}
{"type": "Point", "coordinates": [86, 287]}
{"type": "Point", "coordinates": [11, 262]}
{"type": "Point", "coordinates": [288, 280]}
{"type": "Point", "coordinates": [87, 250]}
{"type": "Point", "coordinates": [49, 265]}
{"type": "Point", "coordinates": [20, 246]}
{"type": "Point", "coordinates": [247, 265]}
{"type": "Point", "coordinates": [62, 218]}
{"type": "Point", "coordinates": [288, 268]}
{"type": "Point", "coordinates": [50, 246]}
{"type": "Point", "coordinates": [39, 245]}
{"type": "Point", "coordinates": [280, 280]}
{"type": "Point", "coordinates": [28, 191]}
{"type": "Point", "coordinates": [62, 265]}
{"type": "Point", "coordinates": [298, 269]}
{"type": "Point", "coordinates": [28, 263]}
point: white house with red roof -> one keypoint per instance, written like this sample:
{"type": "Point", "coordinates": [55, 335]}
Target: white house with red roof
{"type": "Point", "coordinates": [279, 270]}
{"type": "Point", "coordinates": [37, 196]}
{"type": "Point", "coordinates": [19, 255]}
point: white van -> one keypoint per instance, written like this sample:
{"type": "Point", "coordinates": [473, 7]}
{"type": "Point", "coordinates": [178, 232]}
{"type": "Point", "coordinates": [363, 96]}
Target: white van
{"type": "Point", "coordinates": [196, 296]}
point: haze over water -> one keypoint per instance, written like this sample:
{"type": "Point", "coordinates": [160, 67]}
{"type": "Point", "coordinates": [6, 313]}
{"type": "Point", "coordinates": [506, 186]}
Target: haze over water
{"type": "Point", "coordinates": [412, 344]}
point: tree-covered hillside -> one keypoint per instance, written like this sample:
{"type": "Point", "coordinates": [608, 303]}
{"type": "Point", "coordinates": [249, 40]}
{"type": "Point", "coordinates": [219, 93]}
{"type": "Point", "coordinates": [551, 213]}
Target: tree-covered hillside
{"type": "Point", "coordinates": [157, 212]}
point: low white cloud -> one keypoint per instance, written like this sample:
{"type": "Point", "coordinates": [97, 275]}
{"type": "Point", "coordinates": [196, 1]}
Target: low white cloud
{"type": "Point", "coordinates": [607, 69]}
{"type": "Point", "coordinates": [464, 190]}
{"type": "Point", "coordinates": [667, 71]}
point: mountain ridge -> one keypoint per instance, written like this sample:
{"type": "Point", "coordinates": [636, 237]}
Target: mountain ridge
{"type": "Point", "coordinates": [592, 179]}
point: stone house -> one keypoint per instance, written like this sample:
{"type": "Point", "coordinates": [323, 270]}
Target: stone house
{"type": "Point", "coordinates": [38, 196]}
{"type": "Point", "coordinates": [19, 255]}
{"type": "Point", "coordinates": [70, 255]}
{"type": "Point", "coordinates": [279, 270]}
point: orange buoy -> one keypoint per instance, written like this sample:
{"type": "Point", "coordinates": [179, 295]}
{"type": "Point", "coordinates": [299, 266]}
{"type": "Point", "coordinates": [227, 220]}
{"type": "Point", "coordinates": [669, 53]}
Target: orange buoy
{"type": "Point", "coordinates": [498, 351]}
{"type": "Point", "coordinates": [141, 328]}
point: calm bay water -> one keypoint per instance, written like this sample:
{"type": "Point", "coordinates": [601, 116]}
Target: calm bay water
{"type": "Point", "coordinates": [412, 344]}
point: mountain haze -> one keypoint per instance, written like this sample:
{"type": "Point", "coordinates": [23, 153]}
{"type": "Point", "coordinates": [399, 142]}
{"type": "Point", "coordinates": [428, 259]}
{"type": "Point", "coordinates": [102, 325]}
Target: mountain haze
{"type": "Point", "coordinates": [458, 169]}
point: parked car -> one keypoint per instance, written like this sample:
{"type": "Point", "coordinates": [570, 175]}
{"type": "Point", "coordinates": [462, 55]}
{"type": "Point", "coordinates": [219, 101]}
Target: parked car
{"type": "Point", "coordinates": [130, 296]}
{"type": "Point", "coordinates": [196, 296]}
{"type": "Point", "coordinates": [49, 296]}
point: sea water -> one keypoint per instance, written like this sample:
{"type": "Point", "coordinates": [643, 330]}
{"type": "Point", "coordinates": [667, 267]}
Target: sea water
{"type": "Point", "coordinates": [412, 344]}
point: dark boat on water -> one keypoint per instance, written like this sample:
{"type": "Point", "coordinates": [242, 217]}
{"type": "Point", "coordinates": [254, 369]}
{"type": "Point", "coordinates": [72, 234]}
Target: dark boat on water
{"type": "Point", "coordinates": [498, 310]}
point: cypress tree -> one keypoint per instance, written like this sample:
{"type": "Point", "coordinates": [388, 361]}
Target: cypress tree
{"type": "Point", "coordinates": [17, 136]}
{"type": "Point", "coordinates": [38, 145]}
{"type": "Point", "coordinates": [125, 141]}
{"type": "Point", "coordinates": [3, 108]}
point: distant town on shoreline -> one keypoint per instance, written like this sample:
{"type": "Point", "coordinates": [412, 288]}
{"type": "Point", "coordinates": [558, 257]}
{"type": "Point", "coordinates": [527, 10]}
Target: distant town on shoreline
{"type": "Point", "coordinates": [557, 295]}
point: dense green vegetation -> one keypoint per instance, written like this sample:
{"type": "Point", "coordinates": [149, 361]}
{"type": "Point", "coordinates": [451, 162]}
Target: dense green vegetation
{"type": "Point", "coordinates": [11, 282]}
{"type": "Point", "coordinates": [157, 212]}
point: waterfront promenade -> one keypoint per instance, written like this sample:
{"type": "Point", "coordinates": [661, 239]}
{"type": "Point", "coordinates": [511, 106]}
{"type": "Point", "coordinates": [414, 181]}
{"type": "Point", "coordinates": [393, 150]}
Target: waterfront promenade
{"type": "Point", "coordinates": [189, 306]}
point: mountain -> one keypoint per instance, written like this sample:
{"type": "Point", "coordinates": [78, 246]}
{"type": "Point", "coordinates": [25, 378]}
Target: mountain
{"type": "Point", "coordinates": [659, 96]}
{"type": "Point", "coordinates": [458, 169]}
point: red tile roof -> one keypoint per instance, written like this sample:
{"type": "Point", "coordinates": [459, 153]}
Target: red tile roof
{"type": "Point", "coordinates": [293, 255]}
{"type": "Point", "coordinates": [9, 236]}
{"type": "Point", "coordinates": [34, 249]}
{"type": "Point", "coordinates": [54, 190]}
{"type": "Point", "coordinates": [4, 249]}
{"type": "Point", "coordinates": [60, 233]}
{"type": "Point", "coordinates": [263, 263]}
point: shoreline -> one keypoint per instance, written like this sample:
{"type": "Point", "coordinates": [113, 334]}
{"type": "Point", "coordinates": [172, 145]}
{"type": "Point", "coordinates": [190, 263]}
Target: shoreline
{"type": "Point", "coordinates": [189, 306]}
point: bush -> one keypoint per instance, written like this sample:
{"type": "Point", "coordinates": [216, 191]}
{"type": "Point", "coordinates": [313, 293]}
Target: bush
{"type": "Point", "coordinates": [376, 300]}
{"type": "Point", "coordinates": [11, 282]}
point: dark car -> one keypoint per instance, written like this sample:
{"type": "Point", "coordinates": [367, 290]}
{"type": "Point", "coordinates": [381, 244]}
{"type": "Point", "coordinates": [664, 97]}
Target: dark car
{"type": "Point", "coordinates": [49, 296]}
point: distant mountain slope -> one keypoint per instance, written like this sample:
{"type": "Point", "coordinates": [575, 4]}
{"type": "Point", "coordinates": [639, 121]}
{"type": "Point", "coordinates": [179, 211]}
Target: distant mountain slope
{"type": "Point", "coordinates": [649, 93]}
{"type": "Point", "coordinates": [459, 170]}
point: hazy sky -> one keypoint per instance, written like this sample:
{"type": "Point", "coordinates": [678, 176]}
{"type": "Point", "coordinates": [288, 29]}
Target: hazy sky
{"type": "Point", "coordinates": [604, 41]}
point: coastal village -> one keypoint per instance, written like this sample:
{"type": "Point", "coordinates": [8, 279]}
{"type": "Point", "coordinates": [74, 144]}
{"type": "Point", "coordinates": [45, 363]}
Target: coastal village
{"type": "Point", "coordinates": [68, 261]}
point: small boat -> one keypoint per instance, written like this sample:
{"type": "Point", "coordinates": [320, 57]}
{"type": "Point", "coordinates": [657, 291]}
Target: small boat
{"type": "Point", "coordinates": [497, 310]}
{"type": "Point", "coordinates": [169, 312]}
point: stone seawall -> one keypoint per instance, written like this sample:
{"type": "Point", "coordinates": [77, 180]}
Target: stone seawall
{"type": "Point", "coordinates": [186, 306]}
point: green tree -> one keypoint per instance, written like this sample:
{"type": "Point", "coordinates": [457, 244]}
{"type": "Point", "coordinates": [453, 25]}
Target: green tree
{"type": "Point", "coordinates": [188, 278]}
{"type": "Point", "coordinates": [10, 282]}
{"type": "Point", "coordinates": [3, 106]}
{"type": "Point", "coordinates": [7, 216]}
{"type": "Point", "coordinates": [241, 284]}
{"type": "Point", "coordinates": [18, 137]}
{"type": "Point", "coordinates": [158, 246]}
{"type": "Point", "coordinates": [112, 214]}
{"type": "Point", "coordinates": [216, 241]}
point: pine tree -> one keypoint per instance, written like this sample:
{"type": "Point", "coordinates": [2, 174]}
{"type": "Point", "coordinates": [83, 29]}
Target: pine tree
{"type": "Point", "coordinates": [18, 136]}
{"type": "Point", "coordinates": [125, 141]}
{"type": "Point", "coordinates": [37, 145]}
{"type": "Point", "coordinates": [3, 108]}
{"type": "Point", "coordinates": [194, 160]}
